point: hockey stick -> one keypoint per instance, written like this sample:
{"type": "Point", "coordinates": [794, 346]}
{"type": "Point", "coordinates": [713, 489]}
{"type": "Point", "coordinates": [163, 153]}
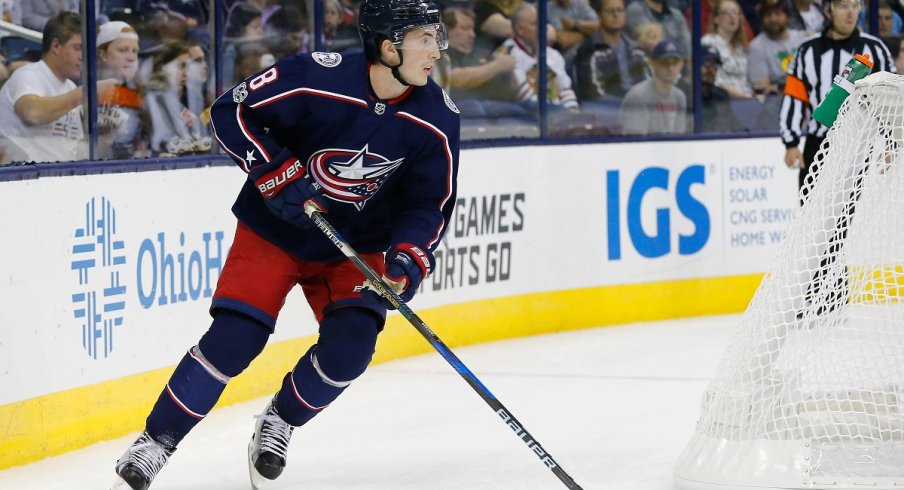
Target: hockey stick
{"type": "Point", "coordinates": [469, 377]}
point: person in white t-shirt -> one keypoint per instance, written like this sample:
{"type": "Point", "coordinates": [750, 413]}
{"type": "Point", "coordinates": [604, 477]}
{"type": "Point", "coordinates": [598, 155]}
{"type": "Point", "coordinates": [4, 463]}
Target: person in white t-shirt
{"type": "Point", "coordinates": [40, 105]}
{"type": "Point", "coordinates": [523, 47]}
{"type": "Point", "coordinates": [120, 111]}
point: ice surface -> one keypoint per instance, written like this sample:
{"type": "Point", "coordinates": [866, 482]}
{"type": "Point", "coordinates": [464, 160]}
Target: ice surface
{"type": "Point", "coordinates": [614, 406]}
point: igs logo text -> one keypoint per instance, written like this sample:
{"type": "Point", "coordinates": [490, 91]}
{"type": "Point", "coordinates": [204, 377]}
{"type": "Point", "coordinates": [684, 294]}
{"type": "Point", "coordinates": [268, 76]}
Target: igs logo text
{"type": "Point", "coordinates": [655, 185]}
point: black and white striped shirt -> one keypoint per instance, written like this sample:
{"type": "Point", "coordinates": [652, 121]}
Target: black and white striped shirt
{"type": "Point", "coordinates": [810, 75]}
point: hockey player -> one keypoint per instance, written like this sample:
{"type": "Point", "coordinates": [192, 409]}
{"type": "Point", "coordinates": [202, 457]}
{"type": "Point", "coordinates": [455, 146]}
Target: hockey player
{"type": "Point", "coordinates": [367, 139]}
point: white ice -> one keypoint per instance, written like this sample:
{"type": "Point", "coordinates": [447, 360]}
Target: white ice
{"type": "Point", "coordinates": [614, 406]}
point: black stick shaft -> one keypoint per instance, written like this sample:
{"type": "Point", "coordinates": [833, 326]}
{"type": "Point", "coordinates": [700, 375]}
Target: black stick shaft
{"type": "Point", "coordinates": [469, 377]}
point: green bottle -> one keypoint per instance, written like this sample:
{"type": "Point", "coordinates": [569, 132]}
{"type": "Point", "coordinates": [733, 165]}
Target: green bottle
{"type": "Point", "coordinates": [842, 86]}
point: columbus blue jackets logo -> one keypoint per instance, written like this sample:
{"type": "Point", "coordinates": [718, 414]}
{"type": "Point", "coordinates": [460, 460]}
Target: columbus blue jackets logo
{"type": "Point", "coordinates": [351, 176]}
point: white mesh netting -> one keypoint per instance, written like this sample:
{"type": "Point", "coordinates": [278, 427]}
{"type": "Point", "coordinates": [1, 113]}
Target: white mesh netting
{"type": "Point", "coordinates": [810, 392]}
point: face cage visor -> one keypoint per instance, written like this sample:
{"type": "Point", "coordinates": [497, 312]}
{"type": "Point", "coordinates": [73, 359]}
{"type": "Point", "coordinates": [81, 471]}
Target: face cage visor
{"type": "Point", "coordinates": [428, 37]}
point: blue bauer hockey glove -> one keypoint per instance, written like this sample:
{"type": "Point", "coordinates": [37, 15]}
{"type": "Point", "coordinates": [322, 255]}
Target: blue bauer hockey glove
{"type": "Point", "coordinates": [406, 266]}
{"type": "Point", "coordinates": [288, 190]}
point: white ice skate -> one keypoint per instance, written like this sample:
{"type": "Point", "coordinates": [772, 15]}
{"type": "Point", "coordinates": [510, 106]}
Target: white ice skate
{"type": "Point", "coordinates": [140, 463]}
{"type": "Point", "coordinates": [268, 447]}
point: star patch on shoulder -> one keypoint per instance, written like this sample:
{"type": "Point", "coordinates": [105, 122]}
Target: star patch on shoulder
{"type": "Point", "coordinates": [328, 60]}
{"type": "Point", "coordinates": [451, 105]}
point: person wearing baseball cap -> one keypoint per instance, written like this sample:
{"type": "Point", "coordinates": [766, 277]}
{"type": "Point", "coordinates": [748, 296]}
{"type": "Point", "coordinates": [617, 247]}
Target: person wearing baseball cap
{"type": "Point", "coordinates": [117, 51]}
{"type": "Point", "coordinates": [656, 105]}
{"type": "Point", "coordinates": [716, 110]}
{"type": "Point", "coordinates": [773, 48]}
{"type": "Point", "coordinates": [709, 54]}
{"type": "Point", "coordinates": [119, 110]}
{"type": "Point", "coordinates": [765, 6]}
{"type": "Point", "coordinates": [667, 49]}
{"type": "Point", "coordinates": [710, 61]}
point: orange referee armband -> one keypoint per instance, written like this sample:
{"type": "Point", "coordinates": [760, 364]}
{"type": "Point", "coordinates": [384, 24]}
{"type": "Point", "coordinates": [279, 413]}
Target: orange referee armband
{"type": "Point", "coordinates": [794, 87]}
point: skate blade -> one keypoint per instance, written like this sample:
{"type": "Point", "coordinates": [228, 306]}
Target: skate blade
{"type": "Point", "coordinates": [257, 481]}
{"type": "Point", "coordinates": [120, 484]}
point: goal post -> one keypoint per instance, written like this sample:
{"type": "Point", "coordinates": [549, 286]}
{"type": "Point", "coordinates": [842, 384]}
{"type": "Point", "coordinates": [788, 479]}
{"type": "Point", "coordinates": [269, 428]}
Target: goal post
{"type": "Point", "coordinates": [810, 391]}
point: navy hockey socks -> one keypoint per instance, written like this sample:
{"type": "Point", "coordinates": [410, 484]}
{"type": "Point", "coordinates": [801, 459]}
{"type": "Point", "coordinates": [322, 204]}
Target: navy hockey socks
{"type": "Point", "coordinates": [227, 348]}
{"type": "Point", "coordinates": [342, 353]}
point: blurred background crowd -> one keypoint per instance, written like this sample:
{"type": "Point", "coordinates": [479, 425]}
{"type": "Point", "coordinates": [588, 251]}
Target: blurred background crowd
{"type": "Point", "coordinates": [613, 67]}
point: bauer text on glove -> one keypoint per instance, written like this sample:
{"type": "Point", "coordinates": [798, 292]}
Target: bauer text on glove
{"type": "Point", "coordinates": [288, 189]}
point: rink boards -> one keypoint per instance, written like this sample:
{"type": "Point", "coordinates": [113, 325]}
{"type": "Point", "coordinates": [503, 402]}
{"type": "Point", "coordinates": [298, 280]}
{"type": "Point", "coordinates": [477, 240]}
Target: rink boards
{"type": "Point", "coordinates": [106, 279]}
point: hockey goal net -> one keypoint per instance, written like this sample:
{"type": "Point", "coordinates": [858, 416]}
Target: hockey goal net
{"type": "Point", "coordinates": [810, 391]}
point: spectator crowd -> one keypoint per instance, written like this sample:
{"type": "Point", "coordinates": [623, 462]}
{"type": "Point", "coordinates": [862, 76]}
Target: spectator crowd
{"type": "Point", "coordinates": [153, 84]}
{"type": "Point", "coordinates": [614, 66]}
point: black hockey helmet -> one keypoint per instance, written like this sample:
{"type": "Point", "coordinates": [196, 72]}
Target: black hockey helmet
{"type": "Point", "coordinates": [391, 19]}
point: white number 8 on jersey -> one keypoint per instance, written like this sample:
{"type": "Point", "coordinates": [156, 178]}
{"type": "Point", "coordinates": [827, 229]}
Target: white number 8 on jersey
{"type": "Point", "coordinates": [264, 78]}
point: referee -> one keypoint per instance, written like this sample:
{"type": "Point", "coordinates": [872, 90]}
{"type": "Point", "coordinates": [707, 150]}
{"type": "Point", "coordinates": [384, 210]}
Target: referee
{"type": "Point", "coordinates": [809, 78]}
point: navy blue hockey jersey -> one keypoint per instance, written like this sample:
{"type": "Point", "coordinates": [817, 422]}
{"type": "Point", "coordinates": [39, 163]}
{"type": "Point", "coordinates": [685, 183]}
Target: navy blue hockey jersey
{"type": "Point", "coordinates": [388, 167]}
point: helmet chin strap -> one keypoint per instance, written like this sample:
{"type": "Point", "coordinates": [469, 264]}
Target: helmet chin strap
{"type": "Point", "coordinates": [395, 69]}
